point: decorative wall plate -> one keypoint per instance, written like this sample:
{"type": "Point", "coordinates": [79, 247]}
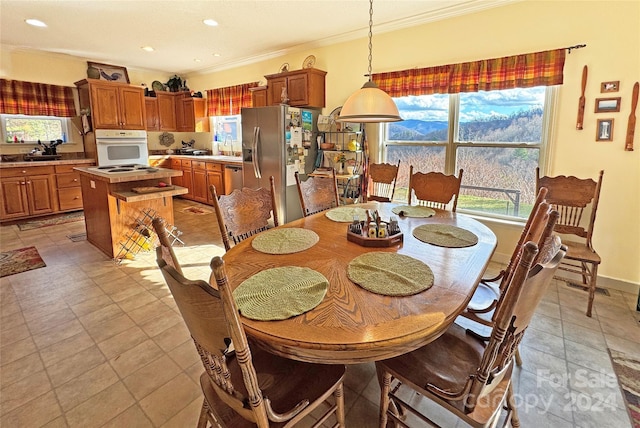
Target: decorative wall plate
{"type": "Point", "coordinates": [309, 62]}
{"type": "Point", "coordinates": [284, 68]}
{"type": "Point", "coordinates": [157, 86]}
{"type": "Point", "coordinates": [166, 139]}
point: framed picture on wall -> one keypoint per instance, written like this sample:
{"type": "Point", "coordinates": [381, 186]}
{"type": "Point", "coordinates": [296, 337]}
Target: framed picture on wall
{"type": "Point", "coordinates": [612, 86]}
{"type": "Point", "coordinates": [111, 73]}
{"type": "Point", "coordinates": [604, 105]}
{"type": "Point", "coordinates": [604, 130]}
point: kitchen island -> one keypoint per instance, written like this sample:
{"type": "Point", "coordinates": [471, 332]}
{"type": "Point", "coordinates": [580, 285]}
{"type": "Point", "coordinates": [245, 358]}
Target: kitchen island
{"type": "Point", "coordinates": [118, 206]}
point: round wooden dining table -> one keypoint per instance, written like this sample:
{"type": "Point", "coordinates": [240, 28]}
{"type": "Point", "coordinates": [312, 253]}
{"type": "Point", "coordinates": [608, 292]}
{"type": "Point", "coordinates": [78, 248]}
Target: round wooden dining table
{"type": "Point", "coordinates": [352, 325]}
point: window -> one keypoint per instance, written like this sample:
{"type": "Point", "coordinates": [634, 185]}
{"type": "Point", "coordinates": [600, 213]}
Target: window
{"type": "Point", "coordinates": [496, 136]}
{"type": "Point", "coordinates": [30, 129]}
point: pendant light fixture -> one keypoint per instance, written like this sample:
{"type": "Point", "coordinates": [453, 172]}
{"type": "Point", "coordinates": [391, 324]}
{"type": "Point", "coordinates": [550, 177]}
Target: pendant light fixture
{"type": "Point", "coordinates": [369, 104]}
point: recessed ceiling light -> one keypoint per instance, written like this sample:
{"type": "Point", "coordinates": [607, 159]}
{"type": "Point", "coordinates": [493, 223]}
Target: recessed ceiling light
{"type": "Point", "coordinates": [216, 54]}
{"type": "Point", "coordinates": [210, 22]}
{"type": "Point", "coordinates": [197, 60]}
{"type": "Point", "coordinates": [147, 48]}
{"type": "Point", "coordinates": [35, 22]}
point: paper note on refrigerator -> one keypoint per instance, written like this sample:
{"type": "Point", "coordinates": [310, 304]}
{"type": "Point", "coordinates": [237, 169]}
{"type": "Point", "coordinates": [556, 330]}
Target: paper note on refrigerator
{"type": "Point", "coordinates": [296, 136]}
{"type": "Point", "coordinates": [291, 175]}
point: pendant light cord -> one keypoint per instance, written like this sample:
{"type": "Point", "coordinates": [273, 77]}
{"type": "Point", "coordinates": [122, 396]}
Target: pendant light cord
{"type": "Point", "coordinates": [370, 36]}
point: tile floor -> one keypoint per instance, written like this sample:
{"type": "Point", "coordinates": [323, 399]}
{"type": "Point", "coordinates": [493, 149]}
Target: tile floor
{"type": "Point", "coordinates": [87, 343]}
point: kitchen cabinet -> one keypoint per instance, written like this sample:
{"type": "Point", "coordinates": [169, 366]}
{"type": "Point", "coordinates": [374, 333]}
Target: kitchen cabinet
{"type": "Point", "coordinates": [113, 105]}
{"type": "Point", "coordinates": [259, 96]}
{"type": "Point", "coordinates": [198, 176]}
{"type": "Point", "coordinates": [305, 88]}
{"type": "Point", "coordinates": [151, 111]}
{"type": "Point", "coordinates": [27, 191]}
{"type": "Point", "coordinates": [68, 187]}
{"type": "Point", "coordinates": [166, 111]}
{"type": "Point", "coordinates": [191, 114]}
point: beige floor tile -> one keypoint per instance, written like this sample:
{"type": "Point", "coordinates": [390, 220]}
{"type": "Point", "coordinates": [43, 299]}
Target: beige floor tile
{"type": "Point", "coordinates": [91, 305]}
{"type": "Point", "coordinates": [132, 417]}
{"type": "Point", "coordinates": [149, 311]}
{"type": "Point", "coordinates": [57, 334]}
{"type": "Point", "coordinates": [19, 393]}
{"type": "Point", "coordinates": [136, 358]}
{"type": "Point", "coordinates": [165, 402]}
{"type": "Point", "coordinates": [66, 348]}
{"type": "Point", "coordinates": [11, 321]}
{"type": "Point", "coordinates": [59, 422]}
{"type": "Point", "coordinates": [122, 342]}
{"type": "Point", "coordinates": [14, 334]}
{"type": "Point", "coordinates": [75, 365]}
{"type": "Point", "coordinates": [101, 331]}
{"type": "Point", "coordinates": [141, 298]}
{"type": "Point", "coordinates": [85, 386]}
{"type": "Point", "coordinates": [35, 413]}
{"type": "Point", "coordinates": [20, 369]}
{"type": "Point", "coordinates": [172, 337]}
{"type": "Point", "coordinates": [16, 350]}
{"type": "Point", "coordinates": [155, 374]}
{"type": "Point", "coordinates": [52, 320]}
{"type": "Point", "coordinates": [187, 417]}
{"type": "Point", "coordinates": [101, 408]}
{"type": "Point", "coordinates": [185, 355]}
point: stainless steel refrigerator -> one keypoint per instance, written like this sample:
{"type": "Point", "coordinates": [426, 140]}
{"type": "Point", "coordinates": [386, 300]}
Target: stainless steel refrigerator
{"type": "Point", "coordinates": [277, 141]}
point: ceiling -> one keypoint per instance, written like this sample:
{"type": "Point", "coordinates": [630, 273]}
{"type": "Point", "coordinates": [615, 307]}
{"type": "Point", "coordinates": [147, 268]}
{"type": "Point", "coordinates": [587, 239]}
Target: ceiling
{"type": "Point", "coordinates": [114, 31]}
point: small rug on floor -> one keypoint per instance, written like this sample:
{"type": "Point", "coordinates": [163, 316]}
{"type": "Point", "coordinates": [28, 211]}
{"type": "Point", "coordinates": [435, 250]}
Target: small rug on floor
{"type": "Point", "coordinates": [78, 237]}
{"type": "Point", "coordinates": [52, 221]}
{"type": "Point", "coordinates": [197, 210]}
{"type": "Point", "coordinates": [627, 370]}
{"type": "Point", "coordinates": [22, 260]}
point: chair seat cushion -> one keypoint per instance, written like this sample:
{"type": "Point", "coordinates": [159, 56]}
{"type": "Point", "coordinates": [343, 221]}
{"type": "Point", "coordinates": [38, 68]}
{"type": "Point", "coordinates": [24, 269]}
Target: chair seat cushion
{"type": "Point", "coordinates": [284, 382]}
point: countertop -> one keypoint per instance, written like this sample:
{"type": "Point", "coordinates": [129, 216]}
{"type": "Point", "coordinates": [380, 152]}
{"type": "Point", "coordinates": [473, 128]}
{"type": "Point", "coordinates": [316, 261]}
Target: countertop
{"type": "Point", "coordinates": [124, 177]}
{"type": "Point", "coordinates": [216, 158]}
{"type": "Point", "coordinates": [46, 163]}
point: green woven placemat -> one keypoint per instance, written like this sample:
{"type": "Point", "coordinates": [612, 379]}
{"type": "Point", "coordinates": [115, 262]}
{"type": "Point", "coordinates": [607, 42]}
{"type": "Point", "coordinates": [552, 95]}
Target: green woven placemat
{"type": "Point", "coordinates": [413, 211]}
{"type": "Point", "coordinates": [280, 293]}
{"type": "Point", "coordinates": [285, 241]}
{"type": "Point", "coordinates": [444, 235]}
{"type": "Point", "coordinates": [390, 274]}
{"type": "Point", "coordinates": [346, 214]}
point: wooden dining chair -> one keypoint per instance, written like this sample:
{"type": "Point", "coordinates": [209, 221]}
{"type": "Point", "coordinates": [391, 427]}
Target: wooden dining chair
{"type": "Point", "coordinates": [434, 189]}
{"type": "Point", "coordinates": [577, 202]}
{"type": "Point", "coordinates": [245, 386]}
{"type": "Point", "coordinates": [462, 372]}
{"type": "Point", "coordinates": [168, 254]}
{"type": "Point", "coordinates": [317, 193]}
{"type": "Point", "coordinates": [382, 181]}
{"type": "Point", "coordinates": [245, 212]}
{"type": "Point", "coordinates": [536, 229]}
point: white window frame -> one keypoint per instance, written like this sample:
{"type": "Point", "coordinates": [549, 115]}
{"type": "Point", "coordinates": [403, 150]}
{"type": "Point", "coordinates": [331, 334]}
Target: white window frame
{"type": "Point", "coordinates": [64, 125]}
{"type": "Point", "coordinates": [451, 145]}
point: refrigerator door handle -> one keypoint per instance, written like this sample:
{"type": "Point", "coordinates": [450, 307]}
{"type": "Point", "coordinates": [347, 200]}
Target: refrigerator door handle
{"type": "Point", "coordinates": [254, 158]}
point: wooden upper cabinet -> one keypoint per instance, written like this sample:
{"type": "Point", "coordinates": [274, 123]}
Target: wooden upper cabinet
{"type": "Point", "coordinates": [259, 96]}
{"type": "Point", "coordinates": [305, 88]}
{"type": "Point", "coordinates": [151, 110]}
{"type": "Point", "coordinates": [191, 114]}
{"type": "Point", "coordinates": [167, 111]}
{"type": "Point", "coordinates": [114, 105]}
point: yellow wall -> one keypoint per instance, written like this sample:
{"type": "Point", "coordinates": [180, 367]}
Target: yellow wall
{"type": "Point", "coordinates": [610, 29]}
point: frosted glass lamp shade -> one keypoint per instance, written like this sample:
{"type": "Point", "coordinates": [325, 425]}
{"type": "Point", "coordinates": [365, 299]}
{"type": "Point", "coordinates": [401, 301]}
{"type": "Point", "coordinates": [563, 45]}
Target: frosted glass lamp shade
{"type": "Point", "coordinates": [369, 104]}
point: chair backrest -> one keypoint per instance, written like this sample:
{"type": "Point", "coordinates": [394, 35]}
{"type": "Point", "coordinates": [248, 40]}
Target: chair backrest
{"type": "Point", "coordinates": [244, 212]}
{"type": "Point", "coordinates": [168, 254]}
{"type": "Point", "coordinates": [524, 292]}
{"type": "Point", "coordinates": [382, 181]}
{"type": "Point", "coordinates": [211, 317]}
{"type": "Point", "coordinates": [317, 193]}
{"type": "Point", "coordinates": [572, 196]}
{"type": "Point", "coordinates": [434, 189]}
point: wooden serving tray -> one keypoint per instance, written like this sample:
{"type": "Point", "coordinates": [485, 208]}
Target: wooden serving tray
{"type": "Point", "coordinates": [365, 241]}
{"type": "Point", "coordinates": [151, 189]}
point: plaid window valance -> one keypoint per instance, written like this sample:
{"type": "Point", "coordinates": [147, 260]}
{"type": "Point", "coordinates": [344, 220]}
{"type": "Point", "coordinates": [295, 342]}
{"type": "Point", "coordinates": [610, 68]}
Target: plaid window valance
{"type": "Point", "coordinates": [519, 71]}
{"type": "Point", "coordinates": [229, 100]}
{"type": "Point", "coordinates": [36, 99]}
